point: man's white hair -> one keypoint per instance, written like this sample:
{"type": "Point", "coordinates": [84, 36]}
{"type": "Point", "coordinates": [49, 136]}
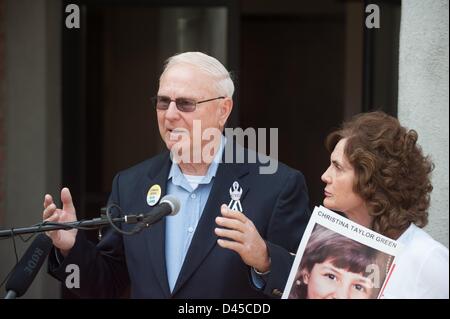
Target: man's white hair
{"type": "Point", "coordinates": [208, 64]}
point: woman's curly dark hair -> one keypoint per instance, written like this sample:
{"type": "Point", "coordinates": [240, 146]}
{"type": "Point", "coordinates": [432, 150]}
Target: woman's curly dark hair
{"type": "Point", "coordinates": [392, 174]}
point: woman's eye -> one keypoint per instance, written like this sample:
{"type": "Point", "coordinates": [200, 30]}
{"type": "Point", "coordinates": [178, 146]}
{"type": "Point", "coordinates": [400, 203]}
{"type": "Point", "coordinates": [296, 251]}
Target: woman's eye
{"type": "Point", "coordinates": [337, 166]}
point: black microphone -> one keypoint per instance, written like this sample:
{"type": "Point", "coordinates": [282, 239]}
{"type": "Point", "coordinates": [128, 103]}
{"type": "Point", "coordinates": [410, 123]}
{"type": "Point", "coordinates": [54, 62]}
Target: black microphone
{"type": "Point", "coordinates": [28, 266]}
{"type": "Point", "coordinates": [169, 205]}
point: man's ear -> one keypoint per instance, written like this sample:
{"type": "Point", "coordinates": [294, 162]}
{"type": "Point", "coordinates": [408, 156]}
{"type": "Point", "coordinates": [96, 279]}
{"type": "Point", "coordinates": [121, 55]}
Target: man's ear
{"type": "Point", "coordinates": [225, 109]}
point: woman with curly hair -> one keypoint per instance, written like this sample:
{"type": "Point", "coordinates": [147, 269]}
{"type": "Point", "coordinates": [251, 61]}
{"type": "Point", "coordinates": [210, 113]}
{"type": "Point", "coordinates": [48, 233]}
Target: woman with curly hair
{"type": "Point", "coordinates": [379, 178]}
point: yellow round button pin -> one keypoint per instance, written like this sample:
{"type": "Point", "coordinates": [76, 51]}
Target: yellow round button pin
{"type": "Point", "coordinates": [153, 195]}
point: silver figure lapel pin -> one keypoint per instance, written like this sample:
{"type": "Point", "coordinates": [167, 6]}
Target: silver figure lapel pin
{"type": "Point", "coordinates": [235, 194]}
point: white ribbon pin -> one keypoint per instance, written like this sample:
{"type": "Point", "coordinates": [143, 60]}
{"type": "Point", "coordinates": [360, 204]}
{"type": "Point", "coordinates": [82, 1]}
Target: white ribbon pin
{"type": "Point", "coordinates": [235, 194]}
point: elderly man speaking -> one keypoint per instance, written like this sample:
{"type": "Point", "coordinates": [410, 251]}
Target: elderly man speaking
{"type": "Point", "coordinates": [235, 230]}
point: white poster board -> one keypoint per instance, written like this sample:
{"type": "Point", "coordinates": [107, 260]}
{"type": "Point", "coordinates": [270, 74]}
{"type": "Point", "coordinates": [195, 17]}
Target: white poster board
{"type": "Point", "coordinates": [338, 258]}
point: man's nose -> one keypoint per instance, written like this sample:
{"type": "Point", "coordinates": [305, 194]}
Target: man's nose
{"type": "Point", "coordinates": [172, 111]}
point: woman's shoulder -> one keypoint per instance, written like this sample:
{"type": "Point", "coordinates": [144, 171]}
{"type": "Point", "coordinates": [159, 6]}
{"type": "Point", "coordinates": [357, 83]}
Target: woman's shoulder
{"type": "Point", "coordinates": [421, 252]}
{"type": "Point", "coordinates": [417, 241]}
{"type": "Point", "coordinates": [422, 267]}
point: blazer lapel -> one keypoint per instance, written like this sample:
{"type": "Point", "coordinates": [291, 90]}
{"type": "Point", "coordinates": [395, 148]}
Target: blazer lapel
{"type": "Point", "coordinates": [204, 238]}
{"type": "Point", "coordinates": [154, 236]}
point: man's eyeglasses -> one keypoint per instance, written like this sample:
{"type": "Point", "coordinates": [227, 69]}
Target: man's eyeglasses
{"type": "Point", "coordinates": [183, 104]}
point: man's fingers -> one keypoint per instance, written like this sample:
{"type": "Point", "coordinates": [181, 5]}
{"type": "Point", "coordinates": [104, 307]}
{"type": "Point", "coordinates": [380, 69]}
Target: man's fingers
{"type": "Point", "coordinates": [230, 245]}
{"type": "Point", "coordinates": [226, 212]}
{"type": "Point", "coordinates": [53, 218]}
{"type": "Point", "coordinates": [49, 211]}
{"type": "Point", "coordinates": [66, 199]}
{"type": "Point", "coordinates": [230, 223]}
{"type": "Point", "coordinates": [56, 216]}
{"type": "Point", "coordinates": [230, 234]}
{"type": "Point", "coordinates": [53, 234]}
{"type": "Point", "coordinates": [47, 200]}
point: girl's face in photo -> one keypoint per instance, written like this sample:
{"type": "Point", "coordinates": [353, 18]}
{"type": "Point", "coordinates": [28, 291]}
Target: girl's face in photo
{"type": "Point", "coordinates": [329, 282]}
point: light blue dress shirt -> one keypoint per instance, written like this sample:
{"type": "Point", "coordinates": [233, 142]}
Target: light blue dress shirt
{"type": "Point", "coordinates": [181, 227]}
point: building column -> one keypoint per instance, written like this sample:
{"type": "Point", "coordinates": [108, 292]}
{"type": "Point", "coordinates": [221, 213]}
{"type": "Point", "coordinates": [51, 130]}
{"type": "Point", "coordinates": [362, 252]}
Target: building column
{"type": "Point", "coordinates": [33, 122]}
{"type": "Point", "coordinates": [423, 95]}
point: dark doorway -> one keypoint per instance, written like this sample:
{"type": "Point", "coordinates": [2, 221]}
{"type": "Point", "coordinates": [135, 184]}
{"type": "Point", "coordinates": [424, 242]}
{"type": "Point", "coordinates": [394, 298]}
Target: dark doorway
{"type": "Point", "coordinates": [294, 82]}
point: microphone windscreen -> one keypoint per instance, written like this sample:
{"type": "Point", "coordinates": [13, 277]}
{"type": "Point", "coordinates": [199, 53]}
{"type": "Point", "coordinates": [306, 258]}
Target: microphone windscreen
{"type": "Point", "coordinates": [28, 266]}
{"type": "Point", "coordinates": [173, 202]}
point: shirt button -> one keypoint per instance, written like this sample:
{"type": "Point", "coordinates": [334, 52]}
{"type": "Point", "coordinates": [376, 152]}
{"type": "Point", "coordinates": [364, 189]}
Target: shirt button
{"type": "Point", "coordinates": [190, 229]}
{"type": "Point", "coordinates": [193, 196]}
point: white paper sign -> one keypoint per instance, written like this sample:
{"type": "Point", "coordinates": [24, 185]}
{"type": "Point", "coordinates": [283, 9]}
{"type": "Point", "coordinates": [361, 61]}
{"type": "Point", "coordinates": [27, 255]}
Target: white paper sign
{"type": "Point", "coordinates": [338, 258]}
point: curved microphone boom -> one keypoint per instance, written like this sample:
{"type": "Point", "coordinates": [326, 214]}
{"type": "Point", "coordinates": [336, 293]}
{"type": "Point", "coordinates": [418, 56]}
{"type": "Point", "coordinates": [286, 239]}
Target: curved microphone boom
{"type": "Point", "coordinates": [28, 266]}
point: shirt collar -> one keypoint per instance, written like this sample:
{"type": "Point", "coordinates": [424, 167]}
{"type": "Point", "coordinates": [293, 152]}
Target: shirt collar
{"type": "Point", "coordinates": [177, 175]}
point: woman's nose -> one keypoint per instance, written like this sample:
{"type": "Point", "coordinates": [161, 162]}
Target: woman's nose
{"type": "Point", "coordinates": [325, 177]}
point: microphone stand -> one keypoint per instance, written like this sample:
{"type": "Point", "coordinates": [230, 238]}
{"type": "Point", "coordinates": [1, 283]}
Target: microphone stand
{"type": "Point", "coordinates": [89, 224]}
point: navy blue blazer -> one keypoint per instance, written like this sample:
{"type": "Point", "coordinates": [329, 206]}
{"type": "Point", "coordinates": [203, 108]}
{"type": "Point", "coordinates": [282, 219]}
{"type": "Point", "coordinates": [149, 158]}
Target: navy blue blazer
{"type": "Point", "coordinates": [277, 204]}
